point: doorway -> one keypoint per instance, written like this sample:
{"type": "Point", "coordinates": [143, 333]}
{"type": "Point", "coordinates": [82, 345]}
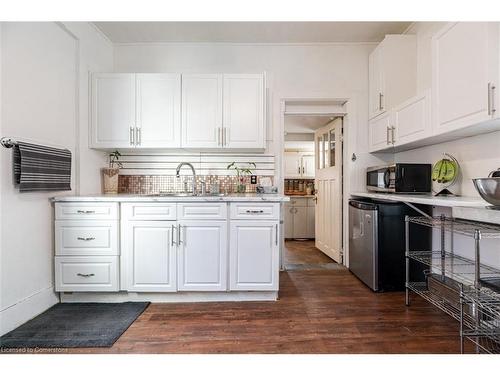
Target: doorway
{"type": "Point", "coordinates": [312, 177]}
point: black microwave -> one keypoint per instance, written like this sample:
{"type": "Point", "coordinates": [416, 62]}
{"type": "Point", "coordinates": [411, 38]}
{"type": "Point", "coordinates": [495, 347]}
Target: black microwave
{"type": "Point", "coordinates": [400, 178]}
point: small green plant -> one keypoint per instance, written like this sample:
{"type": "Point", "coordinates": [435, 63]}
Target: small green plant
{"type": "Point", "coordinates": [241, 172]}
{"type": "Point", "coordinates": [114, 159]}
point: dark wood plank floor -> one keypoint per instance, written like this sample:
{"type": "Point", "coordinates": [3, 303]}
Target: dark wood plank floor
{"type": "Point", "coordinates": [319, 311]}
{"type": "Point", "coordinates": [304, 252]}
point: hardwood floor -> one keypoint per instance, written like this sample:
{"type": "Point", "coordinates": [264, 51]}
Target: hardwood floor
{"type": "Point", "coordinates": [304, 252]}
{"type": "Point", "coordinates": [319, 311]}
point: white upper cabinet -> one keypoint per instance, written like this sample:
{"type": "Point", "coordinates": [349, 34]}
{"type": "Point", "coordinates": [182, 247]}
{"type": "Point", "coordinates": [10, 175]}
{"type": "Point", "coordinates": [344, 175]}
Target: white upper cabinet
{"type": "Point", "coordinates": [380, 133]}
{"type": "Point", "coordinates": [465, 70]}
{"type": "Point", "coordinates": [113, 110]}
{"type": "Point", "coordinates": [412, 120]}
{"type": "Point", "coordinates": [158, 104]}
{"type": "Point", "coordinates": [243, 111]}
{"type": "Point", "coordinates": [308, 166]}
{"type": "Point", "coordinates": [392, 73]}
{"type": "Point", "coordinates": [298, 164]}
{"type": "Point", "coordinates": [202, 110]}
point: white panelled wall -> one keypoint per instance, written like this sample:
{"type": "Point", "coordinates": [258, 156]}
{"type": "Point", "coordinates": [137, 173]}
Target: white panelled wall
{"type": "Point", "coordinates": [44, 99]}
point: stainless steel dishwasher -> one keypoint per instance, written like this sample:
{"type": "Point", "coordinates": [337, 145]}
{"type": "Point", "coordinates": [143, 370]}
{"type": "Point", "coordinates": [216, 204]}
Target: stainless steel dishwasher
{"type": "Point", "coordinates": [363, 242]}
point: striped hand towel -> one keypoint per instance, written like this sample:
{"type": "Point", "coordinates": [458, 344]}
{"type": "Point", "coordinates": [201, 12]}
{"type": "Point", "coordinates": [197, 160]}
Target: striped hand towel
{"type": "Point", "coordinates": [41, 168]}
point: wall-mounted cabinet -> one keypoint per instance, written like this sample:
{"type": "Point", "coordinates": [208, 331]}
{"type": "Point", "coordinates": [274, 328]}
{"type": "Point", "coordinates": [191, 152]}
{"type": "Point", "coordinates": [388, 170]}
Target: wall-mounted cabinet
{"type": "Point", "coordinates": [392, 73]}
{"type": "Point", "coordinates": [299, 164]}
{"type": "Point", "coordinates": [218, 111]}
{"type": "Point", "coordinates": [465, 69]}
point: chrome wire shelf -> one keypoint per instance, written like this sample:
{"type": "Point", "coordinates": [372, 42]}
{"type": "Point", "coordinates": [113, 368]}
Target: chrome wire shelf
{"type": "Point", "coordinates": [460, 226]}
{"type": "Point", "coordinates": [454, 266]}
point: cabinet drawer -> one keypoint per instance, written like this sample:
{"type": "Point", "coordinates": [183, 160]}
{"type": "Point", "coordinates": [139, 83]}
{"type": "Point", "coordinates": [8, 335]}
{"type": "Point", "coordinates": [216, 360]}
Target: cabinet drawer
{"type": "Point", "coordinates": [86, 274]}
{"type": "Point", "coordinates": [255, 211]}
{"type": "Point", "coordinates": [82, 237]}
{"type": "Point", "coordinates": [149, 211]}
{"type": "Point", "coordinates": [86, 211]}
{"type": "Point", "coordinates": [201, 211]}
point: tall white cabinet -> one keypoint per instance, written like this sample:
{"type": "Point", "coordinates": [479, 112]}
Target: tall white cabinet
{"type": "Point", "coordinates": [135, 110]}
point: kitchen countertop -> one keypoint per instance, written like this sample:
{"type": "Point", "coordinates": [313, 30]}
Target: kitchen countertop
{"type": "Point", "coordinates": [426, 199]}
{"type": "Point", "coordinates": [248, 197]}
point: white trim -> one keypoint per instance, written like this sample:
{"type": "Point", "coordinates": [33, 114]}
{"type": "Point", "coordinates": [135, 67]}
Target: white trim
{"type": "Point", "coordinates": [169, 297]}
{"type": "Point", "coordinates": [405, 32]}
{"type": "Point", "coordinates": [101, 33]}
{"type": "Point", "coordinates": [242, 44]}
{"type": "Point", "coordinates": [20, 312]}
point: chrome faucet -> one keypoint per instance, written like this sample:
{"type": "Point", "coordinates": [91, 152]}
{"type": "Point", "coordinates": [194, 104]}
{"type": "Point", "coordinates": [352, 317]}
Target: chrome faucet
{"type": "Point", "coordinates": [177, 171]}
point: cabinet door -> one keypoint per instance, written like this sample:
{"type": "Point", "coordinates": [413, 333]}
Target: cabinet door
{"type": "Point", "coordinates": [113, 110]}
{"type": "Point", "coordinates": [292, 161]}
{"type": "Point", "coordinates": [243, 113]}
{"type": "Point", "coordinates": [465, 63]}
{"type": "Point", "coordinates": [379, 130]}
{"type": "Point", "coordinates": [202, 110]}
{"type": "Point", "coordinates": [158, 110]}
{"type": "Point", "coordinates": [202, 255]}
{"type": "Point", "coordinates": [375, 83]}
{"type": "Point", "coordinates": [412, 120]}
{"type": "Point", "coordinates": [148, 259]}
{"type": "Point", "coordinates": [254, 255]}
{"type": "Point", "coordinates": [308, 166]}
{"type": "Point", "coordinates": [300, 222]}
{"type": "Point", "coordinates": [288, 224]}
{"type": "Point", "coordinates": [310, 224]}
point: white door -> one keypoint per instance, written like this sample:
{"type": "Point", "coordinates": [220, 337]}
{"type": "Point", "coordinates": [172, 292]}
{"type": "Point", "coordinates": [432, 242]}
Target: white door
{"type": "Point", "coordinates": [148, 259]}
{"type": "Point", "coordinates": [158, 110]}
{"type": "Point", "coordinates": [254, 255]}
{"type": "Point", "coordinates": [202, 110]}
{"type": "Point", "coordinates": [308, 165]}
{"type": "Point", "coordinates": [113, 110]}
{"type": "Point", "coordinates": [328, 146]}
{"type": "Point", "coordinates": [465, 63]}
{"type": "Point", "coordinates": [380, 133]}
{"type": "Point", "coordinates": [202, 255]}
{"type": "Point", "coordinates": [292, 161]}
{"type": "Point", "coordinates": [243, 113]}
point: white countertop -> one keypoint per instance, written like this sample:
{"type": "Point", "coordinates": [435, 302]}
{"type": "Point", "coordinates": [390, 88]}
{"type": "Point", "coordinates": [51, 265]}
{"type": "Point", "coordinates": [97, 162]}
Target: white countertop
{"type": "Point", "coordinates": [427, 199]}
{"type": "Point", "coordinates": [248, 197]}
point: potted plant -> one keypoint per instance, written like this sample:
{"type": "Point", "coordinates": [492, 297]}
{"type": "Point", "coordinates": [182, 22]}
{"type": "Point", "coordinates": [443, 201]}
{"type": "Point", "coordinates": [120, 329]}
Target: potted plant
{"type": "Point", "coordinates": [241, 172]}
{"type": "Point", "coordinates": [110, 173]}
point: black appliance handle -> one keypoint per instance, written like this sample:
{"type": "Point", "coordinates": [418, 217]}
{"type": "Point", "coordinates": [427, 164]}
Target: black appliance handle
{"type": "Point", "coordinates": [387, 178]}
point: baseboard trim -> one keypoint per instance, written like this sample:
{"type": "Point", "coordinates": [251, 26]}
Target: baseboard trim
{"type": "Point", "coordinates": [26, 309]}
{"type": "Point", "coordinates": [168, 297]}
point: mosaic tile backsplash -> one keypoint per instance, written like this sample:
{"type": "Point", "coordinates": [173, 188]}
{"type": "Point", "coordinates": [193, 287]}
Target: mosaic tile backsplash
{"type": "Point", "coordinates": [155, 184]}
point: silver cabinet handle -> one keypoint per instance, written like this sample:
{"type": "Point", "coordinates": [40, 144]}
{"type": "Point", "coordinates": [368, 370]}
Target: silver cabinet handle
{"type": "Point", "coordinates": [380, 96]}
{"type": "Point", "coordinates": [85, 238]}
{"type": "Point", "coordinates": [491, 100]}
{"type": "Point", "coordinates": [85, 274]}
{"type": "Point", "coordinates": [276, 234]}
{"type": "Point", "coordinates": [179, 235]}
{"type": "Point", "coordinates": [255, 211]}
{"type": "Point", "coordinates": [303, 170]}
{"type": "Point", "coordinates": [291, 210]}
{"type": "Point", "coordinates": [85, 212]}
{"type": "Point", "coordinates": [295, 210]}
{"type": "Point", "coordinates": [131, 136]}
{"type": "Point", "coordinates": [392, 134]}
{"type": "Point", "coordinates": [172, 243]}
{"type": "Point", "coordinates": [387, 135]}
{"type": "Point", "coordinates": [138, 137]}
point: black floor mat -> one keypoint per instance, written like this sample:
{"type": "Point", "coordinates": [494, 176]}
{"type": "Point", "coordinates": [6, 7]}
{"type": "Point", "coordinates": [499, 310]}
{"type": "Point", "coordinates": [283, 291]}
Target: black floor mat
{"type": "Point", "coordinates": [75, 325]}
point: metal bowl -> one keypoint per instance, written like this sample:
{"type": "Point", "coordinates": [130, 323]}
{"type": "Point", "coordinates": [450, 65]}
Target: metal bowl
{"type": "Point", "coordinates": [489, 189]}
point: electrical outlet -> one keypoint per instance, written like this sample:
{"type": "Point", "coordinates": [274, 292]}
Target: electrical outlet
{"type": "Point", "coordinates": [253, 180]}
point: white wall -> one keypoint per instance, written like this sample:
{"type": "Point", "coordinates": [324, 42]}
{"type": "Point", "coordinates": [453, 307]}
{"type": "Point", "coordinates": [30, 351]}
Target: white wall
{"type": "Point", "coordinates": [477, 155]}
{"type": "Point", "coordinates": [40, 102]}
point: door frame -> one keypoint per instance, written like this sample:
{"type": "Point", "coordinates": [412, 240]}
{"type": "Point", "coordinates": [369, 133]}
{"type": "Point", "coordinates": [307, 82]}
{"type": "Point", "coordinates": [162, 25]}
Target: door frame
{"type": "Point", "coordinates": [350, 116]}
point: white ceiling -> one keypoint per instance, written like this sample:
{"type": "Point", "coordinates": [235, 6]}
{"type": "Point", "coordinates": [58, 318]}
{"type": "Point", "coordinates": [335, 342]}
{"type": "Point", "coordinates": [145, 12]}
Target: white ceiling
{"type": "Point", "coordinates": [249, 32]}
{"type": "Point", "coordinates": [305, 124]}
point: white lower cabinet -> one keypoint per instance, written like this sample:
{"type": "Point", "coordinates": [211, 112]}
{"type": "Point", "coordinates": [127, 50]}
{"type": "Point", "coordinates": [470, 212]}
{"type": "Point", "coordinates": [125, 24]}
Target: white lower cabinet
{"type": "Point", "coordinates": [149, 256]}
{"type": "Point", "coordinates": [202, 261]}
{"type": "Point", "coordinates": [254, 255]}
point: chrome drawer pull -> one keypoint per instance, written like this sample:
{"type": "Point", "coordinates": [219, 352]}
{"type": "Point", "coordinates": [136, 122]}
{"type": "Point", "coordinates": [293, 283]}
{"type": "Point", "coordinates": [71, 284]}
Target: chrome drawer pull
{"type": "Point", "coordinates": [85, 274]}
{"type": "Point", "coordinates": [255, 211]}
{"type": "Point", "coordinates": [85, 238]}
{"type": "Point", "coordinates": [85, 212]}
